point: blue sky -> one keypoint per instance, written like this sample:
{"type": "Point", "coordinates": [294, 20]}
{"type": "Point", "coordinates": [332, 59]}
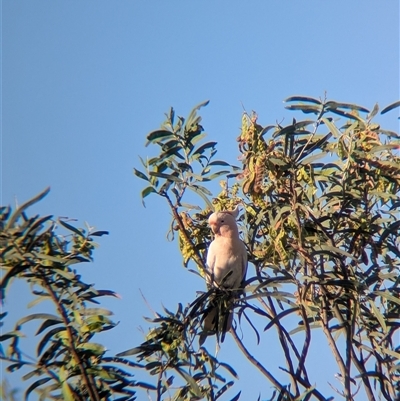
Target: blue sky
{"type": "Point", "coordinates": [84, 82]}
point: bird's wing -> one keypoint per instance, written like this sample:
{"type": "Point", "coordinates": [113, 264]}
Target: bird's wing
{"type": "Point", "coordinates": [244, 263]}
{"type": "Point", "coordinates": [211, 256]}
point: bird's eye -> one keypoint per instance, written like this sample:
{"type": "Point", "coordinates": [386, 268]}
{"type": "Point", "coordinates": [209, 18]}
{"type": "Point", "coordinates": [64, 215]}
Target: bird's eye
{"type": "Point", "coordinates": [222, 221]}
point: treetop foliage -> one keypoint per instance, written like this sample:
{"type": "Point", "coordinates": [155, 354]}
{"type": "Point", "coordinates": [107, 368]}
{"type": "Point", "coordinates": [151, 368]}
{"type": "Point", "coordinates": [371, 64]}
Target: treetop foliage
{"type": "Point", "coordinates": [320, 205]}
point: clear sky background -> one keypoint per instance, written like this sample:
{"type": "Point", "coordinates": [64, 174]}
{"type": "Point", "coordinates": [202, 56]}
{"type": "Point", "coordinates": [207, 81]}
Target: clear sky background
{"type": "Point", "coordinates": [83, 82]}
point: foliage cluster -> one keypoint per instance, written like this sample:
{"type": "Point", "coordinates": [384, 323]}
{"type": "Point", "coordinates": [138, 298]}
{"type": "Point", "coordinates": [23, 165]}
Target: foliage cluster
{"type": "Point", "coordinates": [320, 201]}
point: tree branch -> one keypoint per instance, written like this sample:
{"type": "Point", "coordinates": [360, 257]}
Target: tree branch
{"type": "Point", "coordinates": [87, 379]}
{"type": "Point", "coordinates": [258, 365]}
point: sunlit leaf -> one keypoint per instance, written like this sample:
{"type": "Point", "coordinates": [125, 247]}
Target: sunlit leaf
{"type": "Point", "coordinates": [146, 192]}
{"type": "Point", "coordinates": [379, 316]}
{"type": "Point", "coordinates": [194, 386]}
{"type": "Point", "coordinates": [66, 392]}
{"type": "Point", "coordinates": [92, 348]}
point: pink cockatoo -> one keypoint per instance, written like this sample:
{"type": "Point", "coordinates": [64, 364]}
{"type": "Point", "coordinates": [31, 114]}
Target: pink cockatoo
{"type": "Point", "coordinates": [226, 265]}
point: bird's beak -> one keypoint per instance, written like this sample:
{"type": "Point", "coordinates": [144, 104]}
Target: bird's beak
{"type": "Point", "coordinates": [214, 228]}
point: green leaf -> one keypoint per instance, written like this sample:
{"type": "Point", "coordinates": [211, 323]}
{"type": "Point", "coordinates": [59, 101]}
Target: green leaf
{"type": "Point", "coordinates": [48, 323]}
{"type": "Point", "coordinates": [19, 268]}
{"type": "Point", "coordinates": [34, 316]}
{"type": "Point", "coordinates": [379, 316]}
{"type": "Point", "coordinates": [146, 192]}
{"type": "Point", "coordinates": [43, 342]}
{"type": "Point", "coordinates": [216, 174]}
{"type": "Point", "coordinates": [35, 385]}
{"type": "Point", "coordinates": [392, 353]}
{"type": "Point", "coordinates": [66, 392]}
{"type": "Point", "coordinates": [169, 177]}
{"type": "Point", "coordinates": [348, 115]}
{"type": "Point", "coordinates": [11, 334]}
{"type": "Point", "coordinates": [193, 112]}
{"type": "Point", "coordinates": [302, 99]}
{"type": "Point", "coordinates": [199, 192]}
{"type": "Point", "coordinates": [194, 386]}
{"type": "Point", "coordinates": [390, 107]}
{"type": "Point", "coordinates": [200, 150]}
{"type": "Point", "coordinates": [54, 259]}
{"type": "Point", "coordinates": [158, 135]}
{"type": "Point", "coordinates": [189, 206]}
{"type": "Point", "coordinates": [374, 112]}
{"type": "Point", "coordinates": [385, 294]}
{"type": "Point", "coordinates": [99, 233]}
{"type": "Point", "coordinates": [381, 148]}
{"type": "Point", "coordinates": [219, 163]}
{"type": "Point", "coordinates": [131, 351]}
{"type": "Point", "coordinates": [313, 158]}
{"type": "Point", "coordinates": [71, 228]}
{"type": "Point", "coordinates": [236, 397]}
{"type": "Point", "coordinates": [97, 312]}
{"type": "Point", "coordinates": [146, 385]}
{"type": "Point", "coordinates": [140, 174]}
{"type": "Point", "coordinates": [306, 109]}
{"type": "Point", "coordinates": [278, 317]}
{"type": "Point", "coordinates": [332, 127]}
{"type": "Point", "coordinates": [302, 327]}
{"type": "Point", "coordinates": [333, 250]}
{"type": "Point", "coordinates": [92, 348]}
{"type": "Point", "coordinates": [223, 389]}
{"type": "Point", "coordinates": [349, 106]}
{"type": "Point", "coordinates": [24, 206]}
{"type": "Point", "coordinates": [35, 372]}
{"type": "Point", "coordinates": [229, 369]}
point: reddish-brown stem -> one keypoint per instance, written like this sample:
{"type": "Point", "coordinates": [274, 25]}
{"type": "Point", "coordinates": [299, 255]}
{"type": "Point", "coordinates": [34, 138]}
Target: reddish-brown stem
{"type": "Point", "coordinates": [87, 379]}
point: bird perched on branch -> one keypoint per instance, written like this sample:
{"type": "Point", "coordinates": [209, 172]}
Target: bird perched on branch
{"type": "Point", "coordinates": [227, 266]}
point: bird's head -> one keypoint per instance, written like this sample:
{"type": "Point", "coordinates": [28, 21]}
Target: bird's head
{"type": "Point", "coordinates": [224, 223]}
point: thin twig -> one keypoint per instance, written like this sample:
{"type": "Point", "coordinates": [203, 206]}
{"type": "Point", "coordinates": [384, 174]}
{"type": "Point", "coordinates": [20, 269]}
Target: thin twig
{"type": "Point", "coordinates": [257, 364]}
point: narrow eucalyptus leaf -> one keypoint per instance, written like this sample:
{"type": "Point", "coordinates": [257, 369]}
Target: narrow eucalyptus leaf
{"type": "Point", "coordinates": [34, 316]}
{"type": "Point", "coordinates": [348, 106]}
{"type": "Point", "coordinates": [48, 336]}
{"type": "Point", "coordinates": [99, 233]}
{"type": "Point", "coordinates": [146, 192]}
{"type": "Point", "coordinates": [390, 107]}
{"type": "Point", "coordinates": [48, 323]}
{"type": "Point", "coordinates": [200, 150]}
{"type": "Point", "coordinates": [35, 385]}
{"type": "Point", "coordinates": [194, 386]}
{"type": "Point", "coordinates": [71, 228]}
{"type": "Point", "coordinates": [236, 397]}
{"type": "Point", "coordinates": [140, 174]}
{"type": "Point", "coordinates": [306, 109]}
{"type": "Point", "coordinates": [24, 206]}
{"type": "Point", "coordinates": [302, 99]}
{"type": "Point", "coordinates": [158, 135]}
{"type": "Point", "coordinates": [166, 176]}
